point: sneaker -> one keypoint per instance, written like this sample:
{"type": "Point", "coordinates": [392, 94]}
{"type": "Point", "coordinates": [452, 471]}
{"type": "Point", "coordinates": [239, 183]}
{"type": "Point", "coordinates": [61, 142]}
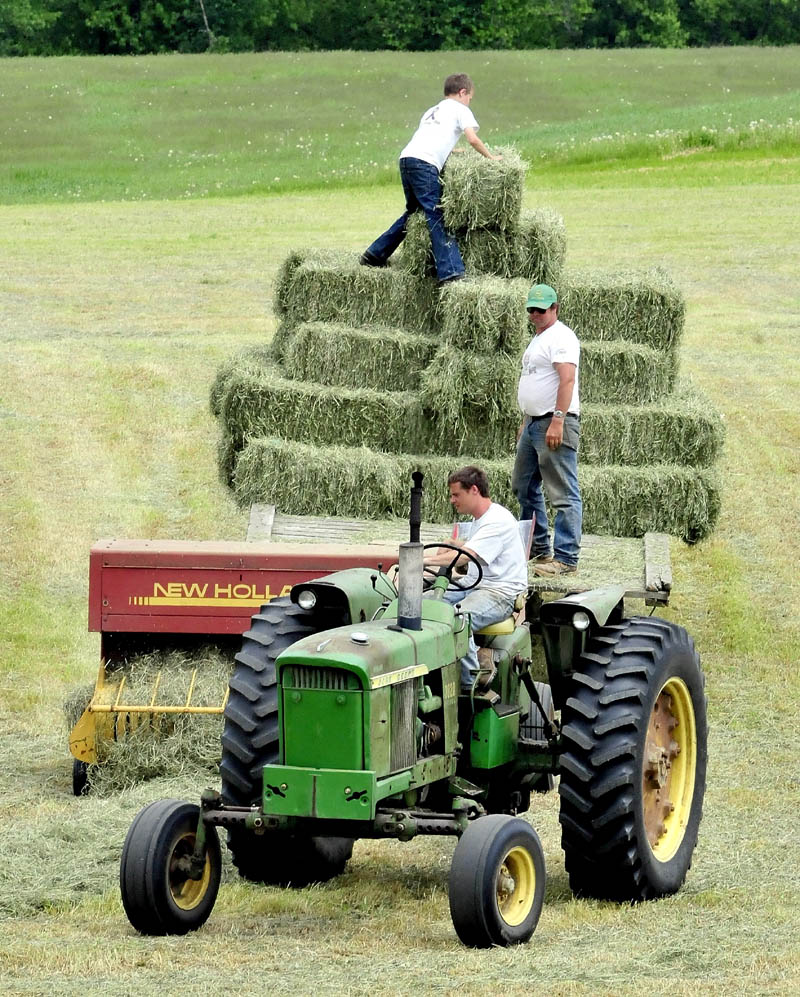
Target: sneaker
{"type": "Point", "coordinates": [543, 558]}
{"type": "Point", "coordinates": [368, 260]}
{"type": "Point", "coordinates": [552, 568]}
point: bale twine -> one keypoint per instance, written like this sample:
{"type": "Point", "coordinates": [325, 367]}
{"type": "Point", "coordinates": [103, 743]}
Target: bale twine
{"type": "Point", "coordinates": [335, 354]}
{"type": "Point", "coordinates": [482, 193]}
{"type": "Point", "coordinates": [364, 483]}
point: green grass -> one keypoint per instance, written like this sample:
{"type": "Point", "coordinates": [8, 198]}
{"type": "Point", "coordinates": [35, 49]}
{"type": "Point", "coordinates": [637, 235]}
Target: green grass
{"type": "Point", "coordinates": [181, 126]}
{"type": "Point", "coordinates": [114, 318]}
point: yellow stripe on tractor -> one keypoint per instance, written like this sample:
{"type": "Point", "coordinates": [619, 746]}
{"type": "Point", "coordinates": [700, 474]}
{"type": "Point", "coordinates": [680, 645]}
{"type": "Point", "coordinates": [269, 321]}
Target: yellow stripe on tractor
{"type": "Point", "coordinates": [109, 717]}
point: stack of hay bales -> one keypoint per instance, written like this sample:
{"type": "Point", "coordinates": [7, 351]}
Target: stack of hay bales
{"type": "Point", "coordinates": [374, 373]}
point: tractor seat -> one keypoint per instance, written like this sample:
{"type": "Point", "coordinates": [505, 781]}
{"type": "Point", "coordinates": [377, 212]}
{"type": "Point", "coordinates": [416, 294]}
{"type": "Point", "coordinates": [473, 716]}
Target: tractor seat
{"type": "Point", "coordinates": [504, 626]}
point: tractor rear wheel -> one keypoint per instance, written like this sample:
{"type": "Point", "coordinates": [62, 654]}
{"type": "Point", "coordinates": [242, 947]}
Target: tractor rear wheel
{"type": "Point", "coordinates": [159, 894]}
{"type": "Point", "coordinates": [497, 881]}
{"type": "Point", "coordinates": [250, 741]}
{"type": "Point", "coordinates": [633, 763]}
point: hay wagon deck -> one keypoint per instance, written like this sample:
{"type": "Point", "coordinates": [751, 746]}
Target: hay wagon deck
{"type": "Point", "coordinates": [641, 565]}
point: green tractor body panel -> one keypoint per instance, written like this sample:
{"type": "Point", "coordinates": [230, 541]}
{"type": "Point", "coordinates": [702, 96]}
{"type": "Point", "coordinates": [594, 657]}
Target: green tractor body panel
{"type": "Point", "coordinates": [358, 700]}
{"type": "Point", "coordinates": [355, 594]}
{"type": "Point", "coordinates": [494, 738]}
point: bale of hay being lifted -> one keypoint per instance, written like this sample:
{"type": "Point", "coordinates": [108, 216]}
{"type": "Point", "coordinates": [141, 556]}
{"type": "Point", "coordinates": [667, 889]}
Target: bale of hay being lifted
{"type": "Point", "coordinates": [534, 248]}
{"type": "Point", "coordinates": [323, 286]}
{"type": "Point", "coordinates": [364, 483]}
{"type": "Point", "coordinates": [382, 358]}
{"type": "Point", "coordinates": [482, 193]}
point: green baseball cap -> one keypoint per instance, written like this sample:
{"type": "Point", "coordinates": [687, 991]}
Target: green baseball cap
{"type": "Point", "coordinates": [541, 296]}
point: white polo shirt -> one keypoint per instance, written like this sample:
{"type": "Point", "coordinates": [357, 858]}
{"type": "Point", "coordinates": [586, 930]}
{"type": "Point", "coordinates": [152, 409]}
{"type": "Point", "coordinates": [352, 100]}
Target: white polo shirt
{"type": "Point", "coordinates": [439, 129]}
{"type": "Point", "coordinates": [539, 381]}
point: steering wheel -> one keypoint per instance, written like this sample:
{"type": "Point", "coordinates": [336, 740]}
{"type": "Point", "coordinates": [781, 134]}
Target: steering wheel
{"type": "Point", "coordinates": [430, 572]}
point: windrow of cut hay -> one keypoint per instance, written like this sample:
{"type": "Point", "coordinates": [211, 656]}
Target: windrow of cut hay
{"type": "Point", "coordinates": [678, 429]}
{"type": "Point", "coordinates": [327, 286]}
{"type": "Point", "coordinates": [480, 193]}
{"type": "Point", "coordinates": [534, 248]}
{"type": "Point", "coordinates": [363, 483]}
{"type": "Point", "coordinates": [341, 355]}
{"type": "Point", "coordinates": [155, 745]}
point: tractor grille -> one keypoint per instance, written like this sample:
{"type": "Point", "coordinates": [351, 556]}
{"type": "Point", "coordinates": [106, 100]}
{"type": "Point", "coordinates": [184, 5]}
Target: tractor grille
{"type": "Point", "coordinates": [306, 677]}
{"type": "Point", "coordinates": [404, 713]}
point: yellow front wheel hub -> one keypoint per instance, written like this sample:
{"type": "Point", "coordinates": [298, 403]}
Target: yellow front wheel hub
{"type": "Point", "coordinates": [187, 893]}
{"type": "Point", "coordinates": [516, 886]}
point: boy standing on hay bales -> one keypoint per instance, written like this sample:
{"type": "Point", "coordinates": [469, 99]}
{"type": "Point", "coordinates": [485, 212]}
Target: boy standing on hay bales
{"type": "Point", "coordinates": [494, 539]}
{"type": "Point", "coordinates": [547, 445]}
{"type": "Point", "coordinates": [421, 163]}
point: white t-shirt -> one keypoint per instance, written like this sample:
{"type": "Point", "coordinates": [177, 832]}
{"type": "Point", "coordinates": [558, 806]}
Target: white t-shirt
{"type": "Point", "coordinates": [538, 383]}
{"type": "Point", "coordinates": [439, 129]}
{"type": "Point", "coordinates": [495, 539]}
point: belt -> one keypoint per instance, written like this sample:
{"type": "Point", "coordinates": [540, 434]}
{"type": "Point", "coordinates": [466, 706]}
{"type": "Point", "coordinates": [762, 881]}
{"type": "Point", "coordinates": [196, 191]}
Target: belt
{"type": "Point", "coordinates": [549, 415]}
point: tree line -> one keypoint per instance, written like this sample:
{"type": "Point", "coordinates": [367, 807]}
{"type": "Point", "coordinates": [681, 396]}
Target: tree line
{"type": "Point", "coordinates": [105, 27]}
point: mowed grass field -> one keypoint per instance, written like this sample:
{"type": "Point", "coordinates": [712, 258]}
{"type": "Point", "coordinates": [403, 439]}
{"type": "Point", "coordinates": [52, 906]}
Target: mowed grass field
{"type": "Point", "coordinates": [115, 312]}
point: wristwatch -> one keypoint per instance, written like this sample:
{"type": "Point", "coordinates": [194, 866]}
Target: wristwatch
{"type": "Point", "coordinates": [558, 414]}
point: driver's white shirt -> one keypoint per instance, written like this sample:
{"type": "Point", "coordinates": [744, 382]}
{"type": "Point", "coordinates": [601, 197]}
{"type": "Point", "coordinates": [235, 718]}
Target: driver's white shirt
{"type": "Point", "coordinates": [496, 541]}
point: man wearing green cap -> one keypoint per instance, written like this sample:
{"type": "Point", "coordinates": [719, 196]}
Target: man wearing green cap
{"type": "Point", "coordinates": [547, 447]}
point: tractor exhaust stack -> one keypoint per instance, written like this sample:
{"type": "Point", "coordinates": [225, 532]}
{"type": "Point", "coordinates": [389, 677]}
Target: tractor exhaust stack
{"type": "Point", "coordinates": [409, 610]}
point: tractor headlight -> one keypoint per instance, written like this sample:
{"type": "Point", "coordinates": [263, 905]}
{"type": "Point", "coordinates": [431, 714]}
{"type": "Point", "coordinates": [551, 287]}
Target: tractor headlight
{"type": "Point", "coordinates": [307, 599]}
{"type": "Point", "coordinates": [581, 621]}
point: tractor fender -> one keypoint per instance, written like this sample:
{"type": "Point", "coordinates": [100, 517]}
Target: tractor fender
{"type": "Point", "coordinates": [568, 623]}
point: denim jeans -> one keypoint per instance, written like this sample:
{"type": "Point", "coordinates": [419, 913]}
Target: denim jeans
{"type": "Point", "coordinates": [557, 470]}
{"type": "Point", "coordinates": [484, 606]}
{"type": "Point", "coordinates": [423, 190]}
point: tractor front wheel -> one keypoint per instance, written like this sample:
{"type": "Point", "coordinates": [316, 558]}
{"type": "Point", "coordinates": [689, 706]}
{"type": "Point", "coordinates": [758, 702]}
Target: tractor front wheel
{"type": "Point", "coordinates": [633, 762]}
{"type": "Point", "coordinates": [161, 891]}
{"type": "Point", "coordinates": [497, 881]}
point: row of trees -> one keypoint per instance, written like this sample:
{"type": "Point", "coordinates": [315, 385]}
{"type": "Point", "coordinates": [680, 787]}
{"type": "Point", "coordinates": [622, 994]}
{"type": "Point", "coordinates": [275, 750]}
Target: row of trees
{"type": "Point", "coordinates": [61, 27]}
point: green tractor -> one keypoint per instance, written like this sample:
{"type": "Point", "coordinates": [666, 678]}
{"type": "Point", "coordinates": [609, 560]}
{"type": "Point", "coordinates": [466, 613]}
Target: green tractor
{"type": "Point", "coordinates": [346, 720]}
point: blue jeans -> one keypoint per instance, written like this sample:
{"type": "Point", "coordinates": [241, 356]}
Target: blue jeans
{"type": "Point", "coordinates": [557, 470]}
{"type": "Point", "coordinates": [423, 189]}
{"type": "Point", "coordinates": [484, 606]}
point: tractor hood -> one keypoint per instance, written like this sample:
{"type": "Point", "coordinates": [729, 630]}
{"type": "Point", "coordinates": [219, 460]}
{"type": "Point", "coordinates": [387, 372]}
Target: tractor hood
{"type": "Point", "coordinates": [380, 653]}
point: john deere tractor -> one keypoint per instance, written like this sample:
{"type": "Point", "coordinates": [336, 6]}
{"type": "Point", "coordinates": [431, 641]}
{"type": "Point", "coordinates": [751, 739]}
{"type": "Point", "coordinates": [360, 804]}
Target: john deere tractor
{"type": "Point", "coordinates": [346, 720]}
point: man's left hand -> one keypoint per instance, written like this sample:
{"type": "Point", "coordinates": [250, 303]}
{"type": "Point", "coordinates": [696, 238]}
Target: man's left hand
{"type": "Point", "coordinates": [555, 433]}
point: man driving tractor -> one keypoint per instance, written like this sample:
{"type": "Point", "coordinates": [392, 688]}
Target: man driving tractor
{"type": "Point", "coordinates": [494, 539]}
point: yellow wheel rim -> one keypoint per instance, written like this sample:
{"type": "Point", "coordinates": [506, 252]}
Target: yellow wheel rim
{"type": "Point", "coordinates": [516, 886]}
{"type": "Point", "coordinates": [670, 763]}
{"type": "Point", "coordinates": [187, 893]}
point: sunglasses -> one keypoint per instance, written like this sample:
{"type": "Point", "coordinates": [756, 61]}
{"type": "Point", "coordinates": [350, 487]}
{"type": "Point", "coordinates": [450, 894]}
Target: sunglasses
{"type": "Point", "coordinates": [536, 311]}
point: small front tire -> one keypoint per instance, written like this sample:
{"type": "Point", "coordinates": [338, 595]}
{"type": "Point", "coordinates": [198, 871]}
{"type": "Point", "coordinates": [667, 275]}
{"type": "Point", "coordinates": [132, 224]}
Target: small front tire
{"type": "Point", "coordinates": [159, 893]}
{"type": "Point", "coordinates": [497, 881]}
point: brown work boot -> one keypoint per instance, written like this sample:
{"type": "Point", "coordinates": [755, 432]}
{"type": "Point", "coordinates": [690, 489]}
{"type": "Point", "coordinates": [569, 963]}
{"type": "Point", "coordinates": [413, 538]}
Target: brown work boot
{"type": "Point", "coordinates": [550, 569]}
{"type": "Point", "coordinates": [541, 558]}
{"type": "Point", "coordinates": [488, 669]}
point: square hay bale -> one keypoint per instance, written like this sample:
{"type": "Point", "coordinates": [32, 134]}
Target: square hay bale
{"type": "Point", "coordinates": [533, 249]}
{"type": "Point", "coordinates": [642, 306]}
{"type": "Point", "coordinates": [364, 483]}
{"type": "Point", "coordinates": [541, 246]}
{"type": "Point", "coordinates": [266, 403]}
{"type": "Point", "coordinates": [482, 193]}
{"type": "Point", "coordinates": [380, 358]}
{"type": "Point", "coordinates": [621, 372]}
{"type": "Point", "coordinates": [254, 359]}
{"type": "Point", "coordinates": [322, 286]}
{"type": "Point", "coordinates": [485, 315]}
